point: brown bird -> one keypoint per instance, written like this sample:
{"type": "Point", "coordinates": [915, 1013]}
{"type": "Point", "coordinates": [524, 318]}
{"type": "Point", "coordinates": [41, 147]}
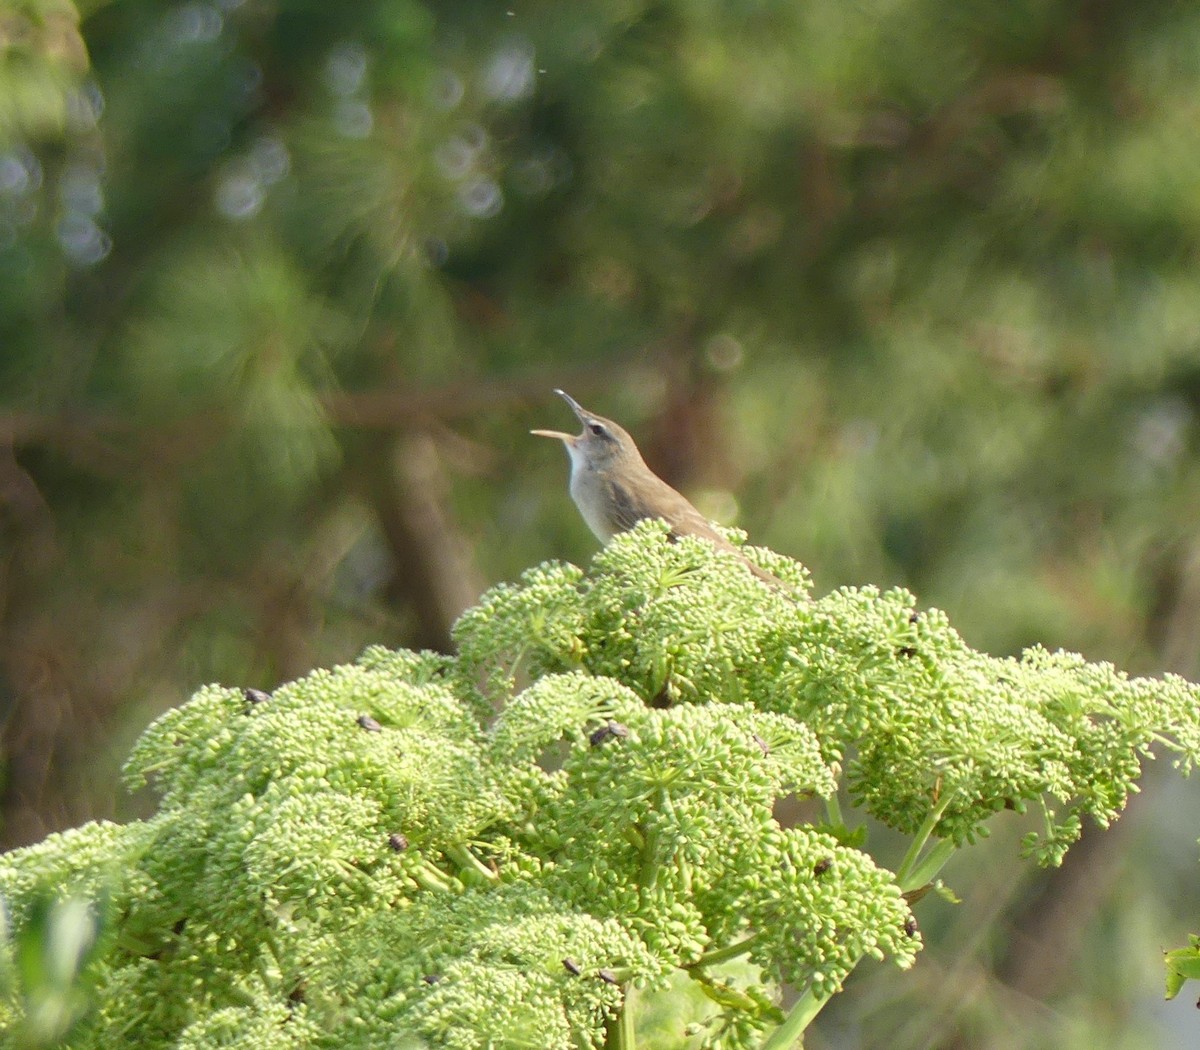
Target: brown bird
{"type": "Point", "coordinates": [614, 489]}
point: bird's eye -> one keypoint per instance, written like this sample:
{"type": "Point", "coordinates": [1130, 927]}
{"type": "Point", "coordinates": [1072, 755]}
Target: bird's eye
{"type": "Point", "coordinates": [596, 428]}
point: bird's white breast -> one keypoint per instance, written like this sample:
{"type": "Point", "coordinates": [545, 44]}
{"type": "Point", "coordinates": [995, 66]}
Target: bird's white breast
{"type": "Point", "coordinates": [588, 493]}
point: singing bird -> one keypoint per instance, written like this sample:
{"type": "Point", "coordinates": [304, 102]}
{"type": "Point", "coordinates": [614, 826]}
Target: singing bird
{"type": "Point", "coordinates": [614, 489]}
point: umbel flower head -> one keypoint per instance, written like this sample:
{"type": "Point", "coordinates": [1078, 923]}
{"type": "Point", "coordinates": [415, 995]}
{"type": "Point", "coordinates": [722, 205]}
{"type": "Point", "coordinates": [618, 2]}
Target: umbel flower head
{"type": "Point", "coordinates": [495, 849]}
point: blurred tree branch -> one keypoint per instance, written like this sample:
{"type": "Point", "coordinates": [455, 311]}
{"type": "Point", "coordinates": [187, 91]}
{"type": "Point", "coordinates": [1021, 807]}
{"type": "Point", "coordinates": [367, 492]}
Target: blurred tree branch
{"type": "Point", "coordinates": [383, 410]}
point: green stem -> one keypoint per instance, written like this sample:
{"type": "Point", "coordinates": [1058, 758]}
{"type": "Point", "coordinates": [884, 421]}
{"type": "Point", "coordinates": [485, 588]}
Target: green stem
{"type": "Point", "coordinates": [929, 866]}
{"type": "Point", "coordinates": [798, 1019]}
{"type": "Point", "coordinates": [467, 860]}
{"type": "Point", "coordinates": [1167, 742]}
{"type": "Point", "coordinates": [515, 667]}
{"type": "Point", "coordinates": [720, 955]}
{"type": "Point", "coordinates": [1047, 821]}
{"type": "Point", "coordinates": [912, 859]}
{"type": "Point", "coordinates": [627, 1029]}
{"type": "Point", "coordinates": [429, 878]}
{"type": "Point", "coordinates": [833, 810]}
{"type": "Point", "coordinates": [622, 1034]}
{"type": "Point", "coordinates": [649, 872]}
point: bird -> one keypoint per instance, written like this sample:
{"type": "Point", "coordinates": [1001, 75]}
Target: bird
{"type": "Point", "coordinates": [614, 489]}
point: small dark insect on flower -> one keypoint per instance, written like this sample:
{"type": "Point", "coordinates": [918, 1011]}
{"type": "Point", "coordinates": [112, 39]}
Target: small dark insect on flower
{"type": "Point", "coordinates": [255, 696]}
{"type": "Point", "coordinates": [610, 728]}
{"type": "Point", "coordinates": [763, 745]}
{"type": "Point", "coordinates": [910, 927]}
{"type": "Point", "coordinates": [906, 650]}
{"type": "Point", "coordinates": [572, 967]}
{"type": "Point", "coordinates": [822, 866]}
{"type": "Point", "coordinates": [432, 978]}
{"type": "Point", "coordinates": [296, 995]}
{"type": "Point", "coordinates": [607, 976]}
{"type": "Point", "coordinates": [369, 724]}
{"type": "Point", "coordinates": [398, 842]}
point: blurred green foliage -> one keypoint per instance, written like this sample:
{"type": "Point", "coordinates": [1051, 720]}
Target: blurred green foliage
{"type": "Point", "coordinates": [42, 59]}
{"type": "Point", "coordinates": [905, 289]}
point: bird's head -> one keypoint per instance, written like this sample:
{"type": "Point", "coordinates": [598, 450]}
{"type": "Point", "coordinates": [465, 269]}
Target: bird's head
{"type": "Point", "coordinates": [602, 446]}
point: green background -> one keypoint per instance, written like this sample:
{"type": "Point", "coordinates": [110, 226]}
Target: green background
{"type": "Point", "coordinates": [907, 289]}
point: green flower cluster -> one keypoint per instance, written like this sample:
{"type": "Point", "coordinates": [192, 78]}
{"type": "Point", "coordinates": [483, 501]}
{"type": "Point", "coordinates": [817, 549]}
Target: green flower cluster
{"type": "Point", "coordinates": [924, 726]}
{"type": "Point", "coordinates": [496, 849]}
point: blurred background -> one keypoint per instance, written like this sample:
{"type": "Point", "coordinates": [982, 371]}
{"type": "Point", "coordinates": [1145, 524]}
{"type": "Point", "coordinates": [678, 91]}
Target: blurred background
{"type": "Point", "coordinates": [907, 289]}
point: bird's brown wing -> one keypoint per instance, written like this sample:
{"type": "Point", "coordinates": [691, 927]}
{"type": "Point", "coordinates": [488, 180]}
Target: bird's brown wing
{"type": "Point", "coordinates": [626, 509]}
{"type": "Point", "coordinates": [676, 511]}
{"type": "Point", "coordinates": [654, 498]}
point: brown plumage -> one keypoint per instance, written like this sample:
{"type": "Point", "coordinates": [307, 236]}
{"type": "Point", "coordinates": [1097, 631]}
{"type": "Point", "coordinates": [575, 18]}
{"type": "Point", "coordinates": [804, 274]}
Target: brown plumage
{"type": "Point", "coordinates": [614, 489]}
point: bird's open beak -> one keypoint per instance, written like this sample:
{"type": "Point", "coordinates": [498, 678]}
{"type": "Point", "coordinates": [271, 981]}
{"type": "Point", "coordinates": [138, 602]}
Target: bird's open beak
{"type": "Point", "coordinates": [570, 439]}
{"type": "Point", "coordinates": [577, 408]}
